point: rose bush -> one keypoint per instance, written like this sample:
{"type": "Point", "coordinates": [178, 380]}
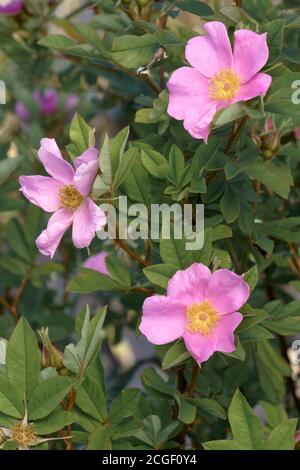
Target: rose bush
{"type": "Point", "coordinates": [145, 339]}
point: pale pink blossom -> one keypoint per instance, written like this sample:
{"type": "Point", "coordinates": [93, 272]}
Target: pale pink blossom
{"type": "Point", "coordinates": [11, 7]}
{"type": "Point", "coordinates": [218, 76]}
{"type": "Point", "coordinates": [297, 133]}
{"type": "Point", "coordinates": [201, 307]}
{"type": "Point", "coordinates": [97, 262]}
{"type": "Point", "coordinates": [65, 193]}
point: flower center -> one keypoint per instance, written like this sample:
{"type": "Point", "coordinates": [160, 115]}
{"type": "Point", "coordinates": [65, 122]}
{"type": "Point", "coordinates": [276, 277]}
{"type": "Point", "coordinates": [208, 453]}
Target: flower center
{"type": "Point", "coordinates": [24, 435]}
{"type": "Point", "coordinates": [70, 197]}
{"type": "Point", "coordinates": [225, 85]}
{"type": "Point", "coordinates": [201, 318]}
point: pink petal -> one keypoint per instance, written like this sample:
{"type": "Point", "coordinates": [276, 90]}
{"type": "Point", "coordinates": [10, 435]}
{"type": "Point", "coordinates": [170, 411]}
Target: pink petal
{"type": "Point", "coordinates": [224, 331]}
{"type": "Point", "coordinates": [190, 285]}
{"type": "Point", "coordinates": [227, 291]}
{"type": "Point", "coordinates": [51, 147]}
{"type": "Point", "coordinates": [198, 121]}
{"type": "Point", "coordinates": [97, 262]}
{"type": "Point", "coordinates": [50, 238]}
{"type": "Point", "coordinates": [188, 89]}
{"type": "Point", "coordinates": [85, 176]}
{"type": "Point", "coordinates": [163, 319]}
{"type": "Point", "coordinates": [222, 338]}
{"type": "Point", "coordinates": [89, 155]}
{"type": "Point", "coordinates": [212, 52]}
{"type": "Point", "coordinates": [258, 85]}
{"type": "Point", "coordinates": [88, 219]}
{"type": "Point", "coordinates": [53, 162]}
{"type": "Point", "coordinates": [42, 191]}
{"type": "Point", "coordinates": [250, 53]}
{"type": "Point", "coordinates": [201, 347]}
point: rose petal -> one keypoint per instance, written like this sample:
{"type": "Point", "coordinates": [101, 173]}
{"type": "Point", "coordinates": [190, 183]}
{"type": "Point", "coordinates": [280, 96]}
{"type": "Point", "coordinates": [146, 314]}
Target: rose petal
{"type": "Point", "coordinates": [201, 347]}
{"type": "Point", "coordinates": [88, 219]}
{"type": "Point", "coordinates": [227, 291]}
{"type": "Point", "coordinates": [163, 319]}
{"type": "Point", "coordinates": [53, 162]}
{"type": "Point", "coordinates": [198, 122]}
{"type": "Point", "coordinates": [212, 52]}
{"type": "Point", "coordinates": [190, 285]}
{"type": "Point", "coordinates": [224, 331]}
{"type": "Point", "coordinates": [42, 191]}
{"type": "Point", "coordinates": [85, 176]}
{"type": "Point", "coordinates": [250, 53]}
{"type": "Point", "coordinates": [188, 89]}
{"type": "Point", "coordinates": [258, 85]}
{"type": "Point", "coordinates": [50, 238]}
{"type": "Point", "coordinates": [89, 155]}
{"type": "Point", "coordinates": [97, 262]}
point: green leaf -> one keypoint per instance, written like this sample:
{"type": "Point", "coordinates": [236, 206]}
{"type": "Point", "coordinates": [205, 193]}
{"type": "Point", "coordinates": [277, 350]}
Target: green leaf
{"type": "Point", "coordinates": [10, 402]}
{"type": "Point", "coordinates": [89, 280]}
{"type": "Point", "coordinates": [208, 407]}
{"type": "Point", "coordinates": [47, 396]}
{"type": "Point", "coordinates": [283, 436]}
{"type": "Point", "coordinates": [81, 134]}
{"type": "Point", "coordinates": [251, 277]}
{"type": "Point", "coordinates": [54, 422]}
{"type": "Point", "coordinates": [187, 412]}
{"type": "Point", "coordinates": [277, 178]}
{"type": "Point", "coordinates": [7, 167]}
{"type": "Point", "coordinates": [175, 355]}
{"type": "Point", "coordinates": [57, 41]}
{"type": "Point", "coordinates": [118, 270]}
{"type": "Point", "coordinates": [160, 274]}
{"type": "Point", "coordinates": [126, 162]}
{"type": "Point", "coordinates": [152, 161]}
{"type": "Point", "coordinates": [155, 383]}
{"type": "Point", "coordinates": [117, 147]}
{"type": "Point", "coordinates": [91, 399]}
{"type": "Point", "coordinates": [173, 252]}
{"type": "Point", "coordinates": [230, 205]}
{"type": "Point", "coordinates": [23, 359]}
{"type": "Point", "coordinates": [100, 439]}
{"type": "Point", "coordinates": [195, 6]}
{"type": "Point", "coordinates": [245, 425]}
{"type": "Point", "coordinates": [222, 445]}
{"type": "Point", "coordinates": [274, 39]}
{"type": "Point", "coordinates": [233, 112]}
{"type": "Point", "coordinates": [136, 185]}
{"type": "Point", "coordinates": [132, 51]}
{"type": "Point", "coordinates": [125, 405]}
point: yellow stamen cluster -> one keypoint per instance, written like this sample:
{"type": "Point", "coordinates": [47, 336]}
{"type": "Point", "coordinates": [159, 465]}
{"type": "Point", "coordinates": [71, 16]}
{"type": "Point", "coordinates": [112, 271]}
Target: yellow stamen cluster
{"type": "Point", "coordinates": [24, 435]}
{"type": "Point", "coordinates": [70, 197]}
{"type": "Point", "coordinates": [201, 318]}
{"type": "Point", "coordinates": [225, 85]}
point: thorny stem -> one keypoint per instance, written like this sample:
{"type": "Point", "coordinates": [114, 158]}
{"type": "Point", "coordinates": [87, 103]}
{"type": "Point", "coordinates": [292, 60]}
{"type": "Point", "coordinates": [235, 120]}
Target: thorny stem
{"type": "Point", "coordinates": [131, 253]}
{"type": "Point", "coordinates": [13, 307]}
{"type": "Point", "coordinates": [69, 407]}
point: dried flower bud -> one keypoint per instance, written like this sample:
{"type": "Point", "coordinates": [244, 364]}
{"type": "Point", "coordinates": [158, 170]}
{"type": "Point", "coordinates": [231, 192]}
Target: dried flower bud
{"type": "Point", "coordinates": [51, 356]}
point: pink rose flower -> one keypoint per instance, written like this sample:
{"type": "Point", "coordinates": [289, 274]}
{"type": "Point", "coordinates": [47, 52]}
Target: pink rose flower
{"type": "Point", "coordinates": [218, 77]}
{"type": "Point", "coordinates": [22, 111]}
{"type": "Point", "coordinates": [201, 307]}
{"type": "Point", "coordinates": [11, 7]}
{"type": "Point", "coordinates": [297, 133]}
{"type": "Point", "coordinates": [65, 193]}
{"type": "Point", "coordinates": [47, 101]}
{"type": "Point", "coordinates": [97, 262]}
